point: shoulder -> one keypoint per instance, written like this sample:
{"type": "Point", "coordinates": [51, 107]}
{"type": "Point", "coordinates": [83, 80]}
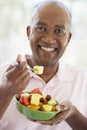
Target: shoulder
{"type": "Point", "coordinates": [71, 72]}
{"type": "Point", "coordinates": [73, 68]}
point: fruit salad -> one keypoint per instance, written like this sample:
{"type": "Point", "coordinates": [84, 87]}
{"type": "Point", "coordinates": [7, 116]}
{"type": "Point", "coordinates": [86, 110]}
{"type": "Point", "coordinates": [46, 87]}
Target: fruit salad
{"type": "Point", "coordinates": [37, 101]}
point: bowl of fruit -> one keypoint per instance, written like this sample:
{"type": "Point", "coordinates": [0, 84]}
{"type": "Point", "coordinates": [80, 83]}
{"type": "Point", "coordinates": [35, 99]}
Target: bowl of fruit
{"type": "Point", "coordinates": [36, 105]}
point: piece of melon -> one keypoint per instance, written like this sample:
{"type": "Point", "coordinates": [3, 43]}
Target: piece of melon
{"type": "Point", "coordinates": [38, 69]}
{"type": "Point", "coordinates": [47, 108]}
{"type": "Point", "coordinates": [35, 99]}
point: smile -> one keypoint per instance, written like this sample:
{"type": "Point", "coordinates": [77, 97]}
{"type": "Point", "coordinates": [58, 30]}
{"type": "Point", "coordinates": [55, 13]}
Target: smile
{"type": "Point", "coordinates": [48, 49]}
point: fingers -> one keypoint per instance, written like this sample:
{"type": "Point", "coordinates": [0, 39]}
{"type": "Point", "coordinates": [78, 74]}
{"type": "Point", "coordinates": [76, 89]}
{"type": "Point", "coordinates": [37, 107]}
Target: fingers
{"type": "Point", "coordinates": [23, 76]}
{"type": "Point", "coordinates": [17, 69]}
{"type": "Point", "coordinates": [60, 117]}
{"type": "Point", "coordinates": [22, 85]}
{"type": "Point", "coordinates": [65, 110]}
{"type": "Point", "coordinates": [45, 122]}
{"type": "Point", "coordinates": [19, 58]}
{"type": "Point", "coordinates": [64, 106]}
{"type": "Point", "coordinates": [18, 77]}
{"type": "Point", "coordinates": [13, 71]}
{"type": "Point", "coordinates": [20, 68]}
{"type": "Point", "coordinates": [9, 68]}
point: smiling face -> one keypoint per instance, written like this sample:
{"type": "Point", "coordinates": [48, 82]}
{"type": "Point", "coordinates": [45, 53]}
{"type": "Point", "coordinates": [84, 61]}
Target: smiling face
{"type": "Point", "coordinates": [49, 33]}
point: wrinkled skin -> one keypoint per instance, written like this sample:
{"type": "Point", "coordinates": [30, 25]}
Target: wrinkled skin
{"type": "Point", "coordinates": [48, 35]}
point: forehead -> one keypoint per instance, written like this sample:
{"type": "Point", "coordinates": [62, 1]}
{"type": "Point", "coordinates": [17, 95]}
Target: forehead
{"type": "Point", "coordinates": [50, 13]}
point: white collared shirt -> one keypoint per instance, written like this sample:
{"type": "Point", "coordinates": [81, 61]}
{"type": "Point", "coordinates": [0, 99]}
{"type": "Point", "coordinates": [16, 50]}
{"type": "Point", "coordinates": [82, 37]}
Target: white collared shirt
{"type": "Point", "coordinates": [69, 83]}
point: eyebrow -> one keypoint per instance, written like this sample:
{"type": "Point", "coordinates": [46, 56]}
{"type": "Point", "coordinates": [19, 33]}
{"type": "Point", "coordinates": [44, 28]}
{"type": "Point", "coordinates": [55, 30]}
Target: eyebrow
{"type": "Point", "coordinates": [41, 23]}
{"type": "Point", "coordinates": [60, 26]}
{"type": "Point", "coordinates": [57, 26]}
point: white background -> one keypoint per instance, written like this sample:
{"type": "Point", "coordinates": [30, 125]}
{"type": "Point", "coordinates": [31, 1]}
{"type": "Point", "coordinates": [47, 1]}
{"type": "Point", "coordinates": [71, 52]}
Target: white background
{"type": "Point", "coordinates": [14, 18]}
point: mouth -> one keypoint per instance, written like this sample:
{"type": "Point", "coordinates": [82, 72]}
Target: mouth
{"type": "Point", "coordinates": [48, 49]}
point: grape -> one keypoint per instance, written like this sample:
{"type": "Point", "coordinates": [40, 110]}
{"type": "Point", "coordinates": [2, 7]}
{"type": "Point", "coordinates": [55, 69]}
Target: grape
{"type": "Point", "coordinates": [42, 100]}
{"type": "Point", "coordinates": [48, 97]}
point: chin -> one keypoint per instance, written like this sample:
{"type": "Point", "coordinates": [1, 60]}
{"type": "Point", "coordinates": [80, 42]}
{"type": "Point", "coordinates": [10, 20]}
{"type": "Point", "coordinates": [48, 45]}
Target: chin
{"type": "Point", "coordinates": [47, 64]}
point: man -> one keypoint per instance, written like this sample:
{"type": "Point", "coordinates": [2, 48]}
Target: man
{"type": "Point", "coordinates": [49, 35]}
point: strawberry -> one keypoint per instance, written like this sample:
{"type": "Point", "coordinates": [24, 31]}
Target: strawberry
{"type": "Point", "coordinates": [36, 90]}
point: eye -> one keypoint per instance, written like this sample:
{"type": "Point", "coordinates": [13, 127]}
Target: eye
{"type": "Point", "coordinates": [59, 31]}
{"type": "Point", "coordinates": [41, 29]}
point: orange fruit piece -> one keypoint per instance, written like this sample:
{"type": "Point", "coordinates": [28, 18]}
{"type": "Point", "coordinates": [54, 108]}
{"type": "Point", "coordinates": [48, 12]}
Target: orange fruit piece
{"type": "Point", "coordinates": [34, 107]}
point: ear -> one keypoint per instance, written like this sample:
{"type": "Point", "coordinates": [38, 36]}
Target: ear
{"type": "Point", "coordinates": [69, 36]}
{"type": "Point", "coordinates": [28, 31]}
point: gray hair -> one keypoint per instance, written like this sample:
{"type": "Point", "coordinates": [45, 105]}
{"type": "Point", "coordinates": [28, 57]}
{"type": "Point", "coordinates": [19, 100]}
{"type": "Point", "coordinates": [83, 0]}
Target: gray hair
{"type": "Point", "coordinates": [56, 2]}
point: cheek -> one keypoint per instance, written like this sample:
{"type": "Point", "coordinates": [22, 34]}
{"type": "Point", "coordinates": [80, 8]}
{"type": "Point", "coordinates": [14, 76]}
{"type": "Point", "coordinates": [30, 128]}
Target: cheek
{"type": "Point", "coordinates": [63, 44]}
{"type": "Point", "coordinates": [32, 36]}
{"type": "Point", "coordinates": [33, 45]}
{"type": "Point", "coordinates": [32, 39]}
{"type": "Point", "coordinates": [66, 40]}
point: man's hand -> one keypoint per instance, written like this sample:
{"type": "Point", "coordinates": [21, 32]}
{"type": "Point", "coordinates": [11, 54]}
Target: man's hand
{"type": "Point", "coordinates": [66, 111]}
{"type": "Point", "coordinates": [16, 78]}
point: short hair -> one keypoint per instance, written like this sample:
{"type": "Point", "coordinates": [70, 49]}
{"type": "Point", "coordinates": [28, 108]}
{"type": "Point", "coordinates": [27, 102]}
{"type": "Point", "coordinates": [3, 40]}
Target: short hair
{"type": "Point", "coordinates": [56, 2]}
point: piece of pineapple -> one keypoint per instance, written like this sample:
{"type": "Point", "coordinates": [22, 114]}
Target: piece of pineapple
{"type": "Point", "coordinates": [38, 69]}
{"type": "Point", "coordinates": [35, 99]}
{"type": "Point", "coordinates": [47, 108]}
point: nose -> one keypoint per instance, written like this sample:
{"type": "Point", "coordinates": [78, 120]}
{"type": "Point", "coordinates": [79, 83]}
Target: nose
{"type": "Point", "coordinates": [49, 38]}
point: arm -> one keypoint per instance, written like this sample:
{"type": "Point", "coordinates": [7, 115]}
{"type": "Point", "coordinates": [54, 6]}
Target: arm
{"type": "Point", "coordinates": [77, 121]}
{"type": "Point", "coordinates": [4, 101]}
{"type": "Point", "coordinates": [14, 80]}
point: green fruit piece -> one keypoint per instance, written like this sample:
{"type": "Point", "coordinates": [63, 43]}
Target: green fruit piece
{"type": "Point", "coordinates": [47, 108]}
{"type": "Point", "coordinates": [52, 102]}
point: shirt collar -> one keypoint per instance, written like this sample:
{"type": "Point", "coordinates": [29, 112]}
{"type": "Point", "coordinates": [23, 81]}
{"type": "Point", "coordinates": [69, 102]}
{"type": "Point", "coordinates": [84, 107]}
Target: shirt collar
{"type": "Point", "coordinates": [63, 74]}
{"type": "Point", "coordinates": [32, 74]}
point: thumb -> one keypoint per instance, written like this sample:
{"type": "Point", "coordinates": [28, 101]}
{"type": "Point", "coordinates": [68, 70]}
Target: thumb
{"type": "Point", "coordinates": [64, 106]}
{"type": "Point", "coordinates": [19, 58]}
{"type": "Point", "coordinates": [10, 68]}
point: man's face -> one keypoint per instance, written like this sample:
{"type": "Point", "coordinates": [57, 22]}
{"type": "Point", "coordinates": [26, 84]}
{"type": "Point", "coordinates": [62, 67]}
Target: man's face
{"type": "Point", "coordinates": [49, 35]}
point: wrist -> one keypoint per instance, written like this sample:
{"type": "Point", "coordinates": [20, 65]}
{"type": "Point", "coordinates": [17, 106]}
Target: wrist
{"type": "Point", "coordinates": [5, 92]}
{"type": "Point", "coordinates": [71, 114]}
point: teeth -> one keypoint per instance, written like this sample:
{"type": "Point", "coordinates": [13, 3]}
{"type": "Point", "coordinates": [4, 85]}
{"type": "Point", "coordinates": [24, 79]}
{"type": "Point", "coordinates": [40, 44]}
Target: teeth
{"type": "Point", "coordinates": [48, 49]}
